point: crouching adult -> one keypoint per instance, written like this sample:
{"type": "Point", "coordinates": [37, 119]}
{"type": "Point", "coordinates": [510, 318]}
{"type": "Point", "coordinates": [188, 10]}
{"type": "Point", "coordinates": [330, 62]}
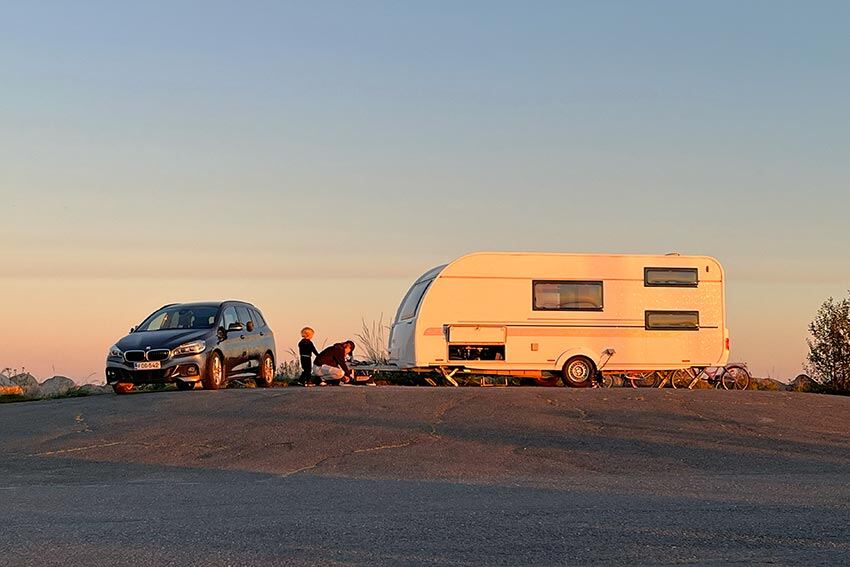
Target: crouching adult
{"type": "Point", "coordinates": [331, 366]}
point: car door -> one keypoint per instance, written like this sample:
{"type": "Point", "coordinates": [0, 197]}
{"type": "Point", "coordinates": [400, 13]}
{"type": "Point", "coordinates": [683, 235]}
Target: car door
{"type": "Point", "coordinates": [251, 341]}
{"type": "Point", "coordinates": [265, 342]}
{"type": "Point", "coordinates": [232, 343]}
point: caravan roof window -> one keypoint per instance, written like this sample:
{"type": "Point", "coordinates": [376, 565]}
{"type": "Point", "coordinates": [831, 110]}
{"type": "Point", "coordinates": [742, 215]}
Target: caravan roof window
{"type": "Point", "coordinates": [567, 296]}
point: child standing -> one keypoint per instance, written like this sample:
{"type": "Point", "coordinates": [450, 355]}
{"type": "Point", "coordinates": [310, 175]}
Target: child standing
{"type": "Point", "coordinates": [306, 349]}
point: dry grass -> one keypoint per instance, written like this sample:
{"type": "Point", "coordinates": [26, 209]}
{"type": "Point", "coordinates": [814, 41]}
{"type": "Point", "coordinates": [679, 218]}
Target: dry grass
{"type": "Point", "coordinates": [372, 339]}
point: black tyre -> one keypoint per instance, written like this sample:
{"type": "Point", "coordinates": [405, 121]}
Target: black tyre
{"type": "Point", "coordinates": [214, 376]}
{"type": "Point", "coordinates": [579, 372]}
{"type": "Point", "coordinates": [736, 378]}
{"type": "Point", "coordinates": [266, 375]}
{"type": "Point", "coordinates": [184, 386]}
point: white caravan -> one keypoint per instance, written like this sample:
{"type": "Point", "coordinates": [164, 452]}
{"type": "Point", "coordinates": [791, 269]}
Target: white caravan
{"type": "Point", "coordinates": [539, 315]}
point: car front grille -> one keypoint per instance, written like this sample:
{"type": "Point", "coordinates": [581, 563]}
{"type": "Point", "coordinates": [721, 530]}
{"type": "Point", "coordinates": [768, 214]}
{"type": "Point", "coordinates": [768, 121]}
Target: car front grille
{"type": "Point", "coordinates": [141, 355]}
{"type": "Point", "coordinates": [159, 354]}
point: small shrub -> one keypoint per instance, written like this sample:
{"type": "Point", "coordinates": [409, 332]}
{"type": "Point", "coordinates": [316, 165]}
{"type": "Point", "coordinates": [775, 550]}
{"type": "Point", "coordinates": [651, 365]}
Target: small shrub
{"type": "Point", "coordinates": [829, 345]}
{"type": "Point", "coordinates": [373, 341]}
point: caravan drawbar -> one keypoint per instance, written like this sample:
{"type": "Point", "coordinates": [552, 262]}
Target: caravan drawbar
{"type": "Point", "coordinates": [571, 315]}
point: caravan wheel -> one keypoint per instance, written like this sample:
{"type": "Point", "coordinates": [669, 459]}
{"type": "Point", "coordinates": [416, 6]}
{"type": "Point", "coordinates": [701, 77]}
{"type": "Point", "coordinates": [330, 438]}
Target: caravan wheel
{"type": "Point", "coordinates": [579, 372]}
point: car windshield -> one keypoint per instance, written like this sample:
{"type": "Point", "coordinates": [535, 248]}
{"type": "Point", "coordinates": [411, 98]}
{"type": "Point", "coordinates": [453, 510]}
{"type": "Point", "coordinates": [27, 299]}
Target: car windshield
{"type": "Point", "coordinates": [181, 317]}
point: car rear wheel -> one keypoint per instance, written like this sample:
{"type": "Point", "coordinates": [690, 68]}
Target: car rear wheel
{"type": "Point", "coordinates": [266, 377]}
{"type": "Point", "coordinates": [214, 378]}
{"type": "Point", "coordinates": [578, 372]}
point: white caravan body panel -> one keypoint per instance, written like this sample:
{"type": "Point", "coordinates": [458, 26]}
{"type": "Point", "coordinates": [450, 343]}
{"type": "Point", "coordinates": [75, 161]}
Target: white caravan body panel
{"type": "Point", "coordinates": [533, 311]}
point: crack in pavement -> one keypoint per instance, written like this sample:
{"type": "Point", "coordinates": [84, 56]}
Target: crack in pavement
{"type": "Point", "coordinates": [432, 434]}
{"type": "Point", "coordinates": [324, 460]}
{"type": "Point", "coordinates": [584, 416]}
{"type": "Point", "coordinates": [441, 412]}
{"type": "Point", "coordinates": [77, 449]}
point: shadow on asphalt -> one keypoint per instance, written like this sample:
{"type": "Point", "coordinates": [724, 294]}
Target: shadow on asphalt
{"type": "Point", "coordinates": [131, 514]}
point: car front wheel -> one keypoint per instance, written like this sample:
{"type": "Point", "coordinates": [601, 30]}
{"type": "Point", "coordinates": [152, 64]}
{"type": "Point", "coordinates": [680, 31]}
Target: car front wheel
{"type": "Point", "coordinates": [214, 378]}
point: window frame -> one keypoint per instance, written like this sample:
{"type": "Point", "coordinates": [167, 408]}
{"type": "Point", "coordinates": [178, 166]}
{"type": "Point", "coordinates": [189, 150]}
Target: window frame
{"type": "Point", "coordinates": [600, 283]}
{"type": "Point", "coordinates": [400, 316]}
{"type": "Point", "coordinates": [646, 282]}
{"type": "Point", "coordinates": [242, 309]}
{"type": "Point", "coordinates": [647, 313]}
{"type": "Point", "coordinates": [224, 312]}
{"type": "Point", "coordinates": [259, 320]}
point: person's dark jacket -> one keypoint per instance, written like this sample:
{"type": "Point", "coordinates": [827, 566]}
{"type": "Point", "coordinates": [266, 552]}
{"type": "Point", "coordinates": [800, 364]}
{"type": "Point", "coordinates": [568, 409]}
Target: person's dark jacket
{"type": "Point", "coordinates": [333, 356]}
{"type": "Point", "coordinates": [306, 348]}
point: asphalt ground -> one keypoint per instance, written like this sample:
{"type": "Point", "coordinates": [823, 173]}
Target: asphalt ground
{"type": "Point", "coordinates": [427, 476]}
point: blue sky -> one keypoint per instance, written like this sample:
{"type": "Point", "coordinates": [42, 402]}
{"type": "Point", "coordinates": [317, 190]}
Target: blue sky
{"type": "Point", "coordinates": [353, 145]}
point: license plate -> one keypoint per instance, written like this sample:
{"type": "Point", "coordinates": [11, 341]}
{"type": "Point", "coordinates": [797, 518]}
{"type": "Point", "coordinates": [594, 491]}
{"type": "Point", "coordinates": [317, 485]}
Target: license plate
{"type": "Point", "coordinates": [148, 365]}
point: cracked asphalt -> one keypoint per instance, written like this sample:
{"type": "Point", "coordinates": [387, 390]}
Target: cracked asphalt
{"type": "Point", "coordinates": [426, 476]}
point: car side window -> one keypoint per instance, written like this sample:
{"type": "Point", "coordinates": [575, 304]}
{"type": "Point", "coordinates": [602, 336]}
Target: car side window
{"type": "Point", "coordinates": [258, 318]}
{"type": "Point", "coordinates": [244, 316]}
{"type": "Point", "coordinates": [228, 317]}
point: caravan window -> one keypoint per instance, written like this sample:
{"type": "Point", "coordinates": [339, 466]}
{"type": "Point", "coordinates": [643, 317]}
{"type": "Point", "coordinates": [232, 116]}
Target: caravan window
{"type": "Point", "coordinates": [410, 305]}
{"type": "Point", "coordinates": [672, 320]}
{"type": "Point", "coordinates": [670, 277]}
{"type": "Point", "coordinates": [567, 296]}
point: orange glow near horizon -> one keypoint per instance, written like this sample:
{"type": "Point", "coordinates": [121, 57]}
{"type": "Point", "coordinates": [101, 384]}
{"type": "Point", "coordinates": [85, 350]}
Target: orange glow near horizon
{"type": "Point", "coordinates": [65, 326]}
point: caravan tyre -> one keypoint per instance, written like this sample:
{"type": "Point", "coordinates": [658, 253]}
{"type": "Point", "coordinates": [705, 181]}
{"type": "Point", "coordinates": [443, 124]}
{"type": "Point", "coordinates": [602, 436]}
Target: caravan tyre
{"type": "Point", "coordinates": [579, 372]}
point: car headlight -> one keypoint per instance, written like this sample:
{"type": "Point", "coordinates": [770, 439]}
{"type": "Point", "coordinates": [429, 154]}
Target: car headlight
{"type": "Point", "coordinates": [195, 347]}
{"type": "Point", "coordinates": [115, 352]}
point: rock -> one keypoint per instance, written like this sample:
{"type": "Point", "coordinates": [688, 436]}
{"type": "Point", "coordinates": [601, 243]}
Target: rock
{"type": "Point", "coordinates": [28, 384]}
{"type": "Point", "coordinates": [93, 390]}
{"type": "Point", "coordinates": [802, 383]}
{"type": "Point", "coordinates": [11, 390]}
{"type": "Point", "coordinates": [766, 384]}
{"type": "Point", "coordinates": [56, 386]}
{"type": "Point", "coordinates": [5, 381]}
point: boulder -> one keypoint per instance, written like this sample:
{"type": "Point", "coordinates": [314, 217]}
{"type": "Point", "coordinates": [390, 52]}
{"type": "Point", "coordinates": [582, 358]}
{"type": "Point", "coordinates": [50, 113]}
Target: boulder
{"type": "Point", "coordinates": [803, 383]}
{"type": "Point", "coordinates": [9, 388]}
{"type": "Point", "coordinates": [93, 390]}
{"type": "Point", "coordinates": [56, 386]}
{"type": "Point", "coordinates": [28, 384]}
{"type": "Point", "coordinates": [765, 384]}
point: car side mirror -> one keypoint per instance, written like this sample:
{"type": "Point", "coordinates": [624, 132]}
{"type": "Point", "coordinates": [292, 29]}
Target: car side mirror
{"type": "Point", "coordinates": [132, 330]}
{"type": "Point", "coordinates": [235, 328]}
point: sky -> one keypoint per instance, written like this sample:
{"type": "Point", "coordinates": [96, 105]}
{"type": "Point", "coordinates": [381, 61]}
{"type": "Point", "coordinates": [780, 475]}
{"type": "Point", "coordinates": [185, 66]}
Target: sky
{"type": "Point", "coordinates": [316, 157]}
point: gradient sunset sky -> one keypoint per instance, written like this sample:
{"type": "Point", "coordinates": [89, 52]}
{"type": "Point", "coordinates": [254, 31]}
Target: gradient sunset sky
{"type": "Point", "coordinates": [316, 157]}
